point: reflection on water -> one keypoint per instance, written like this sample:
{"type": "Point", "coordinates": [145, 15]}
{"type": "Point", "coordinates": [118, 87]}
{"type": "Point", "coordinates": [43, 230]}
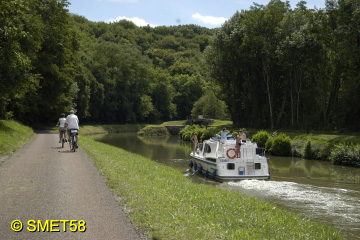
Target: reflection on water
{"type": "Point", "coordinates": [315, 189]}
{"type": "Point", "coordinates": [169, 150]}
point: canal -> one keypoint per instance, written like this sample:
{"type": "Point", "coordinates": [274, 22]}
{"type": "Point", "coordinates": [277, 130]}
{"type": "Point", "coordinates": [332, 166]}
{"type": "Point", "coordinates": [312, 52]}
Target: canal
{"type": "Point", "coordinates": [315, 189]}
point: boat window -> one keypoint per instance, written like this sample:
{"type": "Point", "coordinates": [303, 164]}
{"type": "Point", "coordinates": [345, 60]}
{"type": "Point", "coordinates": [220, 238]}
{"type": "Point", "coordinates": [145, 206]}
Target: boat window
{"type": "Point", "coordinates": [230, 166]}
{"type": "Point", "coordinates": [260, 151]}
{"type": "Point", "coordinates": [211, 159]}
{"type": "Point", "coordinates": [257, 165]}
{"type": "Point", "coordinates": [207, 148]}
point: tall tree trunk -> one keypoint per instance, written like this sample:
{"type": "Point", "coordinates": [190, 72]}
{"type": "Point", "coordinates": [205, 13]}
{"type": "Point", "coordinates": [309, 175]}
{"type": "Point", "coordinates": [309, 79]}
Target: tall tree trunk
{"type": "Point", "coordinates": [332, 99]}
{"type": "Point", "coordinates": [291, 99]}
{"type": "Point", "coordinates": [298, 93]}
{"type": "Point", "coordinates": [266, 78]}
{"type": "Point", "coordinates": [282, 109]}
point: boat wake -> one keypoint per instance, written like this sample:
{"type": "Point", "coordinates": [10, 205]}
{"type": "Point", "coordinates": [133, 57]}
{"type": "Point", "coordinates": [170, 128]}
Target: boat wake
{"type": "Point", "coordinates": [339, 206]}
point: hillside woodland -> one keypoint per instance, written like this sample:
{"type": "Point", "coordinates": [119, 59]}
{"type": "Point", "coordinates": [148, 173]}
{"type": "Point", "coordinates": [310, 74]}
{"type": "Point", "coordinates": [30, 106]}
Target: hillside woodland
{"type": "Point", "coordinates": [272, 66]}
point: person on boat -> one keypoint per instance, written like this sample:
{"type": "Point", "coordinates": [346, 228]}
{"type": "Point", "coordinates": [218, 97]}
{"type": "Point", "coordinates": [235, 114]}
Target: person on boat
{"type": "Point", "coordinates": [223, 134]}
{"type": "Point", "coordinates": [237, 143]}
{"type": "Point", "coordinates": [242, 135]}
{"type": "Point", "coordinates": [195, 140]}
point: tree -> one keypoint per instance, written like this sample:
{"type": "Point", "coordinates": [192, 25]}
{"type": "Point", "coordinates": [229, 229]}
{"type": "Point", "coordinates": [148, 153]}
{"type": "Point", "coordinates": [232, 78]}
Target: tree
{"type": "Point", "coordinates": [262, 24]}
{"type": "Point", "coordinates": [162, 97]}
{"type": "Point", "coordinates": [55, 63]}
{"type": "Point", "coordinates": [125, 75]}
{"type": "Point", "coordinates": [210, 105]}
{"type": "Point", "coordinates": [299, 54]}
{"type": "Point", "coordinates": [20, 39]}
{"type": "Point", "coordinates": [188, 90]}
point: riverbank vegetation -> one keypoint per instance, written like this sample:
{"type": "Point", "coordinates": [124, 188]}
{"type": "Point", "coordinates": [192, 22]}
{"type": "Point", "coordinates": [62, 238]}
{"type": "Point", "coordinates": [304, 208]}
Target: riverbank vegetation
{"type": "Point", "coordinates": [346, 154]}
{"type": "Point", "coordinates": [164, 203]}
{"type": "Point", "coordinates": [340, 149]}
{"type": "Point", "coordinates": [272, 66]}
{"type": "Point", "coordinates": [110, 128]}
{"type": "Point", "coordinates": [159, 129]}
{"type": "Point", "coordinates": [12, 136]}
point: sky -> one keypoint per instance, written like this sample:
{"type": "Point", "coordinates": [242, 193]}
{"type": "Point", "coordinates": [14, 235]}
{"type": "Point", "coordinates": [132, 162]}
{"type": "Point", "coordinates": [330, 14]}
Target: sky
{"type": "Point", "coordinates": [205, 13]}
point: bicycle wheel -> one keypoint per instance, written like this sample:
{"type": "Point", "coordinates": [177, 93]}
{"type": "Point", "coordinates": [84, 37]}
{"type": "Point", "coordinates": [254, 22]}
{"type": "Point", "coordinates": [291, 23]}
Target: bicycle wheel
{"type": "Point", "coordinates": [70, 143]}
{"type": "Point", "coordinates": [74, 143]}
{"type": "Point", "coordinates": [62, 140]}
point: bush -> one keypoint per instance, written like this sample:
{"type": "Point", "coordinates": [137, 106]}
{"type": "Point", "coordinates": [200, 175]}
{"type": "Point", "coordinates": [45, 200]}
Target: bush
{"type": "Point", "coordinates": [206, 134]}
{"type": "Point", "coordinates": [308, 153]}
{"type": "Point", "coordinates": [260, 138]}
{"type": "Point", "coordinates": [281, 145]}
{"type": "Point", "coordinates": [187, 132]}
{"type": "Point", "coordinates": [268, 144]}
{"type": "Point", "coordinates": [297, 146]}
{"type": "Point", "coordinates": [346, 154]}
{"type": "Point", "coordinates": [203, 134]}
{"type": "Point", "coordinates": [270, 140]}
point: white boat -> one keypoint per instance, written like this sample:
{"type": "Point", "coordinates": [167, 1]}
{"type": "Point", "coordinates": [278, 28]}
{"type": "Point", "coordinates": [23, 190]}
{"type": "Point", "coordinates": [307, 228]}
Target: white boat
{"type": "Point", "coordinates": [221, 161]}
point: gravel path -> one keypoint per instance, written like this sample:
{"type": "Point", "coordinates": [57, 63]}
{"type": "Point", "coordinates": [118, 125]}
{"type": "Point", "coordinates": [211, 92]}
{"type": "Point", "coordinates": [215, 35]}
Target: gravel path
{"type": "Point", "coordinates": [43, 181]}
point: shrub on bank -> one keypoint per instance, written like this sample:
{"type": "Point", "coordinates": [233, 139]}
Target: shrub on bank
{"type": "Point", "coordinates": [203, 133]}
{"type": "Point", "coordinates": [260, 138]}
{"type": "Point", "coordinates": [309, 153]}
{"type": "Point", "coordinates": [188, 131]}
{"type": "Point", "coordinates": [346, 154]}
{"type": "Point", "coordinates": [310, 147]}
{"type": "Point", "coordinates": [269, 142]}
{"type": "Point", "coordinates": [280, 145]}
{"type": "Point", "coordinates": [153, 130]}
{"type": "Point", "coordinates": [297, 145]}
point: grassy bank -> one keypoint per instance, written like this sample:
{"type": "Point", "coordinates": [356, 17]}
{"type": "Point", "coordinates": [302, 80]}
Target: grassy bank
{"type": "Point", "coordinates": [110, 128]}
{"type": "Point", "coordinates": [169, 206]}
{"type": "Point", "coordinates": [12, 136]}
{"type": "Point", "coordinates": [160, 129]}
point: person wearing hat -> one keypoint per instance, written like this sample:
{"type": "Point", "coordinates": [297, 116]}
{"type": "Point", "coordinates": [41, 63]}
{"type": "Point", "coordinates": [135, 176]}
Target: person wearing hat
{"type": "Point", "coordinates": [72, 122]}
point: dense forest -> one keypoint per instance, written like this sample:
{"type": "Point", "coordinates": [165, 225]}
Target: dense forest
{"type": "Point", "coordinates": [271, 66]}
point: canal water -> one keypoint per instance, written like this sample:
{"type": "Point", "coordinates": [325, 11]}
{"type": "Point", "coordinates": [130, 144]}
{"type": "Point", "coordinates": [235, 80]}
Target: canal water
{"type": "Point", "coordinates": [315, 189]}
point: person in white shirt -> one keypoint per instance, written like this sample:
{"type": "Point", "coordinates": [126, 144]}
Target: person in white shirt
{"type": "Point", "coordinates": [61, 125]}
{"type": "Point", "coordinates": [72, 122]}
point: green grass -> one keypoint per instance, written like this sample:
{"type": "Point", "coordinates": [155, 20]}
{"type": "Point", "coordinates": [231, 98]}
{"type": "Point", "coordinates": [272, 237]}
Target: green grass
{"type": "Point", "coordinates": [167, 205]}
{"type": "Point", "coordinates": [110, 128]}
{"type": "Point", "coordinates": [220, 123]}
{"type": "Point", "coordinates": [160, 129]}
{"type": "Point", "coordinates": [12, 136]}
{"type": "Point", "coordinates": [173, 123]}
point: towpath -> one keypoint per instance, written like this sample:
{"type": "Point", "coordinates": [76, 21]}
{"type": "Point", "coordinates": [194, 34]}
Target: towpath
{"type": "Point", "coordinates": [43, 182]}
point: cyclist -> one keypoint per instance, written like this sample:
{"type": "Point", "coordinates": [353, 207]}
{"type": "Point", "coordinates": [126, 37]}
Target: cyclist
{"type": "Point", "coordinates": [61, 124]}
{"type": "Point", "coordinates": [72, 122]}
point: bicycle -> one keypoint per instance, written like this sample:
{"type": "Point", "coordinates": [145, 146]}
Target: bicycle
{"type": "Point", "coordinates": [73, 139]}
{"type": "Point", "coordinates": [63, 138]}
